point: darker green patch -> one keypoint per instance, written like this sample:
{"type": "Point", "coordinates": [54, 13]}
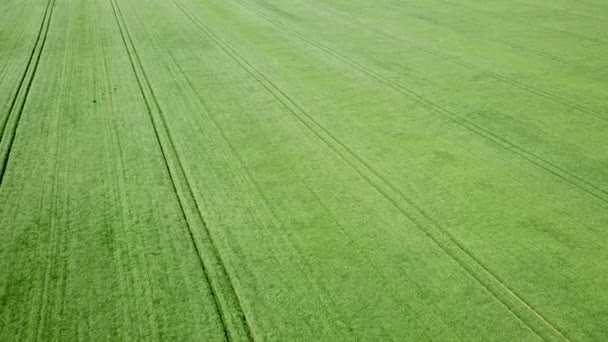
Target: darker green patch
{"type": "Point", "coordinates": [443, 156]}
{"type": "Point", "coordinates": [277, 10]}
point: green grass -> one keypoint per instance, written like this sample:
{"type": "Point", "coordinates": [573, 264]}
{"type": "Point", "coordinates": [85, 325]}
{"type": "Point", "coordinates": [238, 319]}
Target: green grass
{"type": "Point", "coordinates": [292, 170]}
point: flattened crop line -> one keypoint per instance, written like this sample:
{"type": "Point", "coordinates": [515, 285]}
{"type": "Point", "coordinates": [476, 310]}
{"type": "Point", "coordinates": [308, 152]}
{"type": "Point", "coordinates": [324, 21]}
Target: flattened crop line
{"type": "Point", "coordinates": [460, 120]}
{"type": "Point", "coordinates": [456, 60]}
{"type": "Point", "coordinates": [516, 19]}
{"type": "Point", "coordinates": [422, 220]}
{"type": "Point", "coordinates": [527, 50]}
{"type": "Point", "coordinates": [170, 156]}
{"type": "Point", "coordinates": [8, 130]}
{"type": "Point", "coordinates": [524, 49]}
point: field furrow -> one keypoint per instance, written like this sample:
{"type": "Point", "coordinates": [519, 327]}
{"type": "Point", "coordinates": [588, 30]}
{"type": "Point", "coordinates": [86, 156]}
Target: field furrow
{"type": "Point", "coordinates": [19, 33]}
{"type": "Point", "coordinates": [95, 245]}
{"type": "Point", "coordinates": [327, 170]}
{"type": "Point", "coordinates": [482, 186]}
{"type": "Point", "coordinates": [226, 300]}
{"type": "Point", "coordinates": [10, 121]}
{"type": "Point", "coordinates": [213, 193]}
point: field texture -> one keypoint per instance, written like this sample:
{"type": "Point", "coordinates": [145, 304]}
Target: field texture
{"type": "Point", "coordinates": [303, 170]}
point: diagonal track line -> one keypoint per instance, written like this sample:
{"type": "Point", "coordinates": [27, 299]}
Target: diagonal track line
{"type": "Point", "coordinates": [177, 173]}
{"type": "Point", "coordinates": [432, 229]}
{"type": "Point", "coordinates": [538, 161]}
{"type": "Point", "coordinates": [514, 83]}
{"type": "Point", "coordinates": [8, 129]}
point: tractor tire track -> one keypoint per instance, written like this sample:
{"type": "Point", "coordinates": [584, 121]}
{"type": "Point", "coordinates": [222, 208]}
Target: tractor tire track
{"type": "Point", "coordinates": [515, 20]}
{"type": "Point", "coordinates": [17, 29]}
{"type": "Point", "coordinates": [560, 12]}
{"type": "Point", "coordinates": [518, 47]}
{"type": "Point", "coordinates": [422, 220]}
{"type": "Point", "coordinates": [15, 93]}
{"type": "Point", "coordinates": [266, 208]}
{"type": "Point", "coordinates": [177, 173]}
{"type": "Point", "coordinates": [114, 162]}
{"type": "Point", "coordinates": [269, 211]}
{"type": "Point", "coordinates": [533, 90]}
{"type": "Point", "coordinates": [116, 198]}
{"type": "Point", "coordinates": [8, 128]}
{"type": "Point", "coordinates": [460, 120]}
{"type": "Point", "coordinates": [56, 178]}
{"type": "Point", "coordinates": [59, 199]}
{"type": "Point", "coordinates": [540, 53]}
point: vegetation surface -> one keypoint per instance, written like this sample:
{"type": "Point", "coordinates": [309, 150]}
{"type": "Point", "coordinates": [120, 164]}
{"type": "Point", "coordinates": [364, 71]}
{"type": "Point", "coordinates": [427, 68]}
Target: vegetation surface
{"type": "Point", "coordinates": [296, 170]}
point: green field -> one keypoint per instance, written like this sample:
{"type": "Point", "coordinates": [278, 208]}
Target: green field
{"type": "Point", "coordinates": [303, 170]}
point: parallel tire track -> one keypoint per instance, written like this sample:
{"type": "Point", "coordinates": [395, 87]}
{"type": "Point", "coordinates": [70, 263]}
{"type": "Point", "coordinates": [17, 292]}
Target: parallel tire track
{"type": "Point", "coordinates": [224, 294]}
{"type": "Point", "coordinates": [516, 19]}
{"type": "Point", "coordinates": [422, 220]}
{"type": "Point", "coordinates": [521, 48]}
{"type": "Point", "coordinates": [116, 195]}
{"type": "Point", "coordinates": [460, 120]}
{"type": "Point", "coordinates": [266, 208]}
{"type": "Point", "coordinates": [533, 90]}
{"type": "Point", "coordinates": [8, 128]}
